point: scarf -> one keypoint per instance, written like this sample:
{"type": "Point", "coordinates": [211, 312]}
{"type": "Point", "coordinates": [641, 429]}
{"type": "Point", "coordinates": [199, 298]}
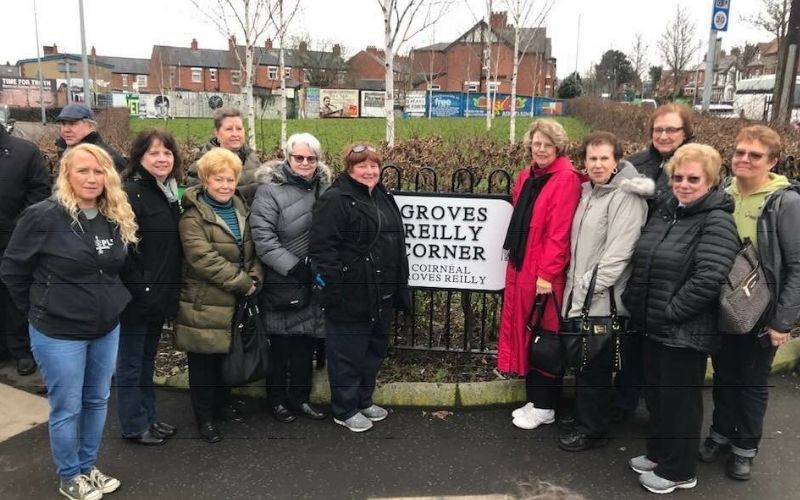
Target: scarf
{"type": "Point", "coordinates": [170, 189]}
{"type": "Point", "coordinates": [520, 223]}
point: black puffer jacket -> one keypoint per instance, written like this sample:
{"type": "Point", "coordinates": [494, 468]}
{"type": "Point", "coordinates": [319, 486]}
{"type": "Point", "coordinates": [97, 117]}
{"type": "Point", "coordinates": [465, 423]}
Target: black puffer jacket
{"type": "Point", "coordinates": [358, 247]}
{"type": "Point", "coordinates": [680, 261]}
{"type": "Point", "coordinates": [650, 163]}
{"type": "Point", "coordinates": [94, 138]}
{"type": "Point", "coordinates": [153, 273]}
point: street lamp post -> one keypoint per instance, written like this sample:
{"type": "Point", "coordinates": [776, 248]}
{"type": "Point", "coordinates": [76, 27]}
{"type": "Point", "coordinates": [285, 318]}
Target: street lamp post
{"type": "Point", "coordinates": [87, 96]}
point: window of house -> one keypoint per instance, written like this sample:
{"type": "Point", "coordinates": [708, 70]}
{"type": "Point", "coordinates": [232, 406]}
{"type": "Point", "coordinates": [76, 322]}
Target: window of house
{"type": "Point", "coordinates": [471, 86]}
{"type": "Point", "coordinates": [272, 72]}
{"type": "Point", "coordinates": [236, 77]}
{"type": "Point", "coordinates": [212, 74]}
{"type": "Point", "coordinates": [306, 78]}
{"type": "Point", "coordinates": [197, 75]}
{"type": "Point", "coordinates": [141, 81]}
{"type": "Point", "coordinates": [124, 80]}
{"type": "Point", "coordinates": [287, 71]}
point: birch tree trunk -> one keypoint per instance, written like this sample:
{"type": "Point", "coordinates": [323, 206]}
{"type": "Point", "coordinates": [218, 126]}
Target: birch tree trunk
{"type": "Point", "coordinates": [514, 73]}
{"type": "Point", "coordinates": [249, 78]}
{"type": "Point", "coordinates": [282, 70]}
{"type": "Point", "coordinates": [388, 103]}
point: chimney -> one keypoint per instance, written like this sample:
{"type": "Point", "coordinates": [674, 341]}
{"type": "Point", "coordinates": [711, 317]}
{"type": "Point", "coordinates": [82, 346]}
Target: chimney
{"type": "Point", "coordinates": [498, 20]}
{"type": "Point", "coordinates": [232, 43]}
{"type": "Point", "coordinates": [94, 52]}
{"type": "Point", "coordinates": [303, 46]}
{"type": "Point", "coordinates": [268, 44]}
{"type": "Point", "coordinates": [372, 49]}
{"type": "Point", "coordinates": [49, 49]}
{"type": "Point", "coordinates": [337, 50]}
{"type": "Point", "coordinates": [194, 44]}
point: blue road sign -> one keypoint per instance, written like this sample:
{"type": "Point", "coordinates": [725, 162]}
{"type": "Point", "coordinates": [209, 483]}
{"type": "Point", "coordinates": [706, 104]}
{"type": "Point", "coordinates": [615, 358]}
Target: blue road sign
{"type": "Point", "coordinates": [719, 20]}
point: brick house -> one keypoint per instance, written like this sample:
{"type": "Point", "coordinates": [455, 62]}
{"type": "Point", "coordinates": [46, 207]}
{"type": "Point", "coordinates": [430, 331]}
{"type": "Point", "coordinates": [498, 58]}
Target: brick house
{"type": "Point", "coordinates": [457, 66]}
{"type": "Point", "coordinates": [366, 72]}
{"type": "Point", "coordinates": [128, 74]}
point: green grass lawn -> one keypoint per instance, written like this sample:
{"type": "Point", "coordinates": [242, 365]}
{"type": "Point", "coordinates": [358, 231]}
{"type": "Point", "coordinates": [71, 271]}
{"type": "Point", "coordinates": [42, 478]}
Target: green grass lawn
{"type": "Point", "coordinates": [334, 134]}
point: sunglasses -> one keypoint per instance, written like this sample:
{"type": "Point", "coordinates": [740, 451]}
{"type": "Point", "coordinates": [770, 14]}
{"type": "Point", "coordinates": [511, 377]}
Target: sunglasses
{"type": "Point", "coordinates": [751, 155]}
{"type": "Point", "coordinates": [300, 159]}
{"type": "Point", "coordinates": [691, 179]}
{"type": "Point", "coordinates": [360, 148]}
{"type": "Point", "coordinates": [669, 130]}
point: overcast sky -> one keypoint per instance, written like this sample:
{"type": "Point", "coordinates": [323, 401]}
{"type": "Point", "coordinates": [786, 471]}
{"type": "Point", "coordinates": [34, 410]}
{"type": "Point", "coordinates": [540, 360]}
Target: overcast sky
{"type": "Point", "coordinates": [131, 28]}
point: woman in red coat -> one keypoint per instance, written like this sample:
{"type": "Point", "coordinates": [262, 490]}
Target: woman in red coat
{"type": "Point", "coordinates": [545, 197]}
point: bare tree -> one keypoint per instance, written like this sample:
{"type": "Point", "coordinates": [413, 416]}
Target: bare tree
{"type": "Point", "coordinates": [522, 13]}
{"type": "Point", "coordinates": [250, 20]}
{"type": "Point", "coordinates": [321, 60]}
{"type": "Point", "coordinates": [281, 18]}
{"type": "Point", "coordinates": [745, 55]}
{"type": "Point", "coordinates": [677, 46]}
{"type": "Point", "coordinates": [774, 17]}
{"type": "Point", "coordinates": [638, 58]}
{"type": "Point", "coordinates": [402, 21]}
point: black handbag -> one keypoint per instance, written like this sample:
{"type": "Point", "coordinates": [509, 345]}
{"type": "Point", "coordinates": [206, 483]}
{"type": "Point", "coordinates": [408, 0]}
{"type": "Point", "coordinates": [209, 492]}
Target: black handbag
{"type": "Point", "coordinates": [546, 352]}
{"type": "Point", "coordinates": [283, 293]}
{"type": "Point", "coordinates": [593, 341]}
{"type": "Point", "coordinates": [745, 293]}
{"type": "Point", "coordinates": [248, 357]}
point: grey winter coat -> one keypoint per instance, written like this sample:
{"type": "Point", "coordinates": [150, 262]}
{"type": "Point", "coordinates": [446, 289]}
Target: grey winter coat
{"type": "Point", "coordinates": [605, 229]}
{"type": "Point", "coordinates": [280, 220]}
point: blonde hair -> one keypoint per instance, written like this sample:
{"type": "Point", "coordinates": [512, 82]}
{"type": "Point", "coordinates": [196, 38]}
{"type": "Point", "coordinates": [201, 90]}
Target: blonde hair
{"type": "Point", "coordinates": [112, 202]}
{"type": "Point", "coordinates": [215, 161]}
{"type": "Point", "coordinates": [704, 154]}
{"type": "Point", "coordinates": [552, 129]}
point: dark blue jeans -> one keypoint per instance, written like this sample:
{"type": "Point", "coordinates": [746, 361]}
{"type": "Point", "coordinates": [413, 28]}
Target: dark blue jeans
{"type": "Point", "coordinates": [136, 398]}
{"type": "Point", "coordinates": [355, 352]}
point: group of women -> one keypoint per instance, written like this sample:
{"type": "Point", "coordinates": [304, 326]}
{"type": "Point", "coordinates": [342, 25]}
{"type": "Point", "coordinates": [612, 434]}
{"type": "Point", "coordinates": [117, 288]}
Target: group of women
{"type": "Point", "coordinates": [648, 243]}
{"type": "Point", "coordinates": [102, 264]}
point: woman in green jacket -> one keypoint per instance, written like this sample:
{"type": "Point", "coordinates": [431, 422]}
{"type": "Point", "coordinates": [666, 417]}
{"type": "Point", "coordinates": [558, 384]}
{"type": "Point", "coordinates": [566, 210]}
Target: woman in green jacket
{"type": "Point", "coordinates": [220, 267]}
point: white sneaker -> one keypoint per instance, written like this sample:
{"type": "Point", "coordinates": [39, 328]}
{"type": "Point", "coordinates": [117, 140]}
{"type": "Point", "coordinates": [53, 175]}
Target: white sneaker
{"type": "Point", "coordinates": [79, 488]}
{"type": "Point", "coordinates": [535, 418]}
{"type": "Point", "coordinates": [642, 464]}
{"type": "Point", "coordinates": [102, 482]}
{"type": "Point", "coordinates": [356, 423]}
{"type": "Point", "coordinates": [522, 410]}
{"type": "Point", "coordinates": [374, 413]}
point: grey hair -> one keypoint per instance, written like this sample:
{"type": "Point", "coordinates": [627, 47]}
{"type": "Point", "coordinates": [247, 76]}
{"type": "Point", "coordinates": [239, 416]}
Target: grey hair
{"type": "Point", "coordinates": [302, 138]}
{"type": "Point", "coordinates": [222, 113]}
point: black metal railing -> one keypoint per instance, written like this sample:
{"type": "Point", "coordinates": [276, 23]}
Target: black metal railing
{"type": "Point", "coordinates": [444, 319]}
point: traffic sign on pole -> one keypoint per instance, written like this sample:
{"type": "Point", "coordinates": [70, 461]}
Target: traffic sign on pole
{"type": "Point", "coordinates": [719, 20]}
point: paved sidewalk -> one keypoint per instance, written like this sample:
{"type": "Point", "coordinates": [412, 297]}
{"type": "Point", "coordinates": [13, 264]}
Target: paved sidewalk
{"type": "Point", "coordinates": [411, 454]}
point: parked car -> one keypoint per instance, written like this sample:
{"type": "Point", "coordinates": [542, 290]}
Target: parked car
{"type": "Point", "coordinates": [719, 110]}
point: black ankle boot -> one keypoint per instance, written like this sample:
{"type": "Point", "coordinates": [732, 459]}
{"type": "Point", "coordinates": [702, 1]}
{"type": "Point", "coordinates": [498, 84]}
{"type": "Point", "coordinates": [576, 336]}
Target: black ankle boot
{"type": "Point", "coordinates": [739, 467]}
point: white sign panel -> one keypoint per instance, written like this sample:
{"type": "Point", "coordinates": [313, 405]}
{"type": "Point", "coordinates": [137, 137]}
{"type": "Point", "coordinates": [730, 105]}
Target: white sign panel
{"type": "Point", "coordinates": [415, 103]}
{"type": "Point", "coordinates": [455, 241]}
{"type": "Point", "coordinates": [372, 104]}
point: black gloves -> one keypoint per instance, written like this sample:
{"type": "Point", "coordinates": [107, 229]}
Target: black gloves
{"type": "Point", "coordinates": [302, 271]}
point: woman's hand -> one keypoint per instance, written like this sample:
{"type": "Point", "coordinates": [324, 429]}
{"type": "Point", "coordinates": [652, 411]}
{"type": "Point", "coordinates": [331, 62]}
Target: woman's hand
{"type": "Point", "coordinates": [252, 290]}
{"type": "Point", "coordinates": [777, 338]}
{"type": "Point", "coordinates": [543, 286]}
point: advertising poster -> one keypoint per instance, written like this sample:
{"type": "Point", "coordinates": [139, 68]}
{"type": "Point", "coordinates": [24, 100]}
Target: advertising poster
{"type": "Point", "coordinates": [25, 92]}
{"type": "Point", "coordinates": [415, 103]}
{"type": "Point", "coordinates": [444, 104]}
{"type": "Point", "coordinates": [455, 241]}
{"type": "Point", "coordinates": [311, 102]}
{"type": "Point", "coordinates": [545, 106]}
{"type": "Point", "coordinates": [476, 105]}
{"type": "Point", "coordinates": [372, 104]}
{"type": "Point", "coordinates": [338, 103]}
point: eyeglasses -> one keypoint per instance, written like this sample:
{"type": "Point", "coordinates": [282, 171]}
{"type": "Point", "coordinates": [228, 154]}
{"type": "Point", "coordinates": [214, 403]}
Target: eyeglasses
{"type": "Point", "coordinates": [300, 159]}
{"type": "Point", "coordinates": [360, 148]}
{"type": "Point", "coordinates": [691, 179]}
{"type": "Point", "coordinates": [669, 130]}
{"type": "Point", "coordinates": [751, 155]}
{"type": "Point", "coordinates": [542, 145]}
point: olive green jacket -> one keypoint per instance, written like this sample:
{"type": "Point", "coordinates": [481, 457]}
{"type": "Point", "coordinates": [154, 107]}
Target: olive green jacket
{"type": "Point", "coordinates": [213, 278]}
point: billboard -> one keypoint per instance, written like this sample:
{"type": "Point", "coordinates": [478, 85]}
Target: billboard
{"type": "Point", "coordinates": [372, 103]}
{"type": "Point", "coordinates": [476, 105]}
{"type": "Point", "coordinates": [309, 102]}
{"type": "Point", "coordinates": [444, 104]}
{"type": "Point", "coordinates": [25, 92]}
{"type": "Point", "coordinates": [415, 103]}
{"type": "Point", "coordinates": [337, 103]}
{"type": "Point", "coordinates": [545, 106]}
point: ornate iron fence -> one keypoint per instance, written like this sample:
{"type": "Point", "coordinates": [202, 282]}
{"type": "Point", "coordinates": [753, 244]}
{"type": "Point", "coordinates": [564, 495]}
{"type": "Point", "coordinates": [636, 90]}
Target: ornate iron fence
{"type": "Point", "coordinates": [444, 319]}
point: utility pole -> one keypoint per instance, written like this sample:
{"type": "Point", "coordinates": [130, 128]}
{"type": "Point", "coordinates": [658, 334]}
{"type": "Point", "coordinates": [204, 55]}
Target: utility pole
{"type": "Point", "coordinates": [39, 62]}
{"type": "Point", "coordinates": [720, 14]}
{"type": "Point", "coordinates": [578, 44]}
{"type": "Point", "coordinates": [87, 96]}
{"type": "Point", "coordinates": [786, 103]}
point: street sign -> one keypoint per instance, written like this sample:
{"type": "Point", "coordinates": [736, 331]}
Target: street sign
{"type": "Point", "coordinates": [721, 15]}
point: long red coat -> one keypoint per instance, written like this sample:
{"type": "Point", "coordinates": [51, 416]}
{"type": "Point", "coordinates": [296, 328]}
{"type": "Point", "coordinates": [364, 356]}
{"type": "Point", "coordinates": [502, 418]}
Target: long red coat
{"type": "Point", "coordinates": [546, 257]}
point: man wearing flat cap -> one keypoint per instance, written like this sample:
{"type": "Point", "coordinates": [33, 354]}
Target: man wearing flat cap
{"type": "Point", "coordinates": [78, 126]}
